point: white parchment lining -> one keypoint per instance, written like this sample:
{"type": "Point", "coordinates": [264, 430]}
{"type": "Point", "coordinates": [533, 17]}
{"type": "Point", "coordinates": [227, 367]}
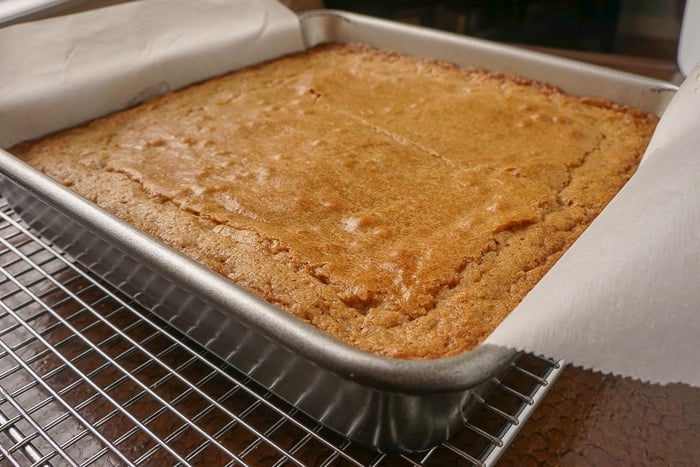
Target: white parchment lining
{"type": "Point", "coordinates": [62, 71]}
{"type": "Point", "coordinates": [624, 299]}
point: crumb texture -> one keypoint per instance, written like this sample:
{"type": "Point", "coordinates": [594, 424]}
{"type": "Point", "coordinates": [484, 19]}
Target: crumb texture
{"type": "Point", "coordinates": [402, 205]}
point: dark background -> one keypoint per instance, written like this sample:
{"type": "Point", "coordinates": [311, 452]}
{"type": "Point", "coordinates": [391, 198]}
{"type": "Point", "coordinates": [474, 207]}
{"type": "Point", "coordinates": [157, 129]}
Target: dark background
{"type": "Point", "coordinates": [585, 25]}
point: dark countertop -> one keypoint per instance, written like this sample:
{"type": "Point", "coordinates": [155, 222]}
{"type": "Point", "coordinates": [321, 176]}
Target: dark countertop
{"type": "Point", "coordinates": [588, 418]}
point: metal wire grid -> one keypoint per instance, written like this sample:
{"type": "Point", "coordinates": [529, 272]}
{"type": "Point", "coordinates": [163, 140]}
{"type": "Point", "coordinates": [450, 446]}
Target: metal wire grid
{"type": "Point", "coordinates": [88, 377]}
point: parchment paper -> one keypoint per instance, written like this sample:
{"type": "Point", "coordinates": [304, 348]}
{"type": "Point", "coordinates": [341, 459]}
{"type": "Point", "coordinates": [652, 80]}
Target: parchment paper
{"type": "Point", "coordinates": [624, 299]}
{"type": "Point", "coordinates": [62, 71]}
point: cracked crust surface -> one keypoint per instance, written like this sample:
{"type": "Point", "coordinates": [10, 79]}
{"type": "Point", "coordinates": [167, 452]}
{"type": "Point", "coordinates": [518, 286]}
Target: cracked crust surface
{"type": "Point", "coordinates": [402, 205]}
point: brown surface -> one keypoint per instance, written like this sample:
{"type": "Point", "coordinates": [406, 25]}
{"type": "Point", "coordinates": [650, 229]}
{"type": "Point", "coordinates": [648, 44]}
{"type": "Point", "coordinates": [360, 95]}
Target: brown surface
{"type": "Point", "coordinates": [404, 206]}
{"type": "Point", "coordinates": [593, 419]}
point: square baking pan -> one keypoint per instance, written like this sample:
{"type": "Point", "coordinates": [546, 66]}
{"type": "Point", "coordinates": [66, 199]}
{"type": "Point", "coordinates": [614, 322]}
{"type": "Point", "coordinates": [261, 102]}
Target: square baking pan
{"type": "Point", "coordinates": [389, 404]}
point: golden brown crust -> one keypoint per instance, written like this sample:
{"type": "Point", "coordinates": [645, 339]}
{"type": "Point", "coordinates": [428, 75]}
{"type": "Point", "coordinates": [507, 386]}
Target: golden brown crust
{"type": "Point", "coordinates": [402, 205]}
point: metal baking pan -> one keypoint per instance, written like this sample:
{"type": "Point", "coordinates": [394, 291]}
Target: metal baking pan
{"type": "Point", "coordinates": [390, 404]}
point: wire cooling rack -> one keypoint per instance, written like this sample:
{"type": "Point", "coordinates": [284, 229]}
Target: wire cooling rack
{"type": "Point", "coordinates": [88, 377]}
